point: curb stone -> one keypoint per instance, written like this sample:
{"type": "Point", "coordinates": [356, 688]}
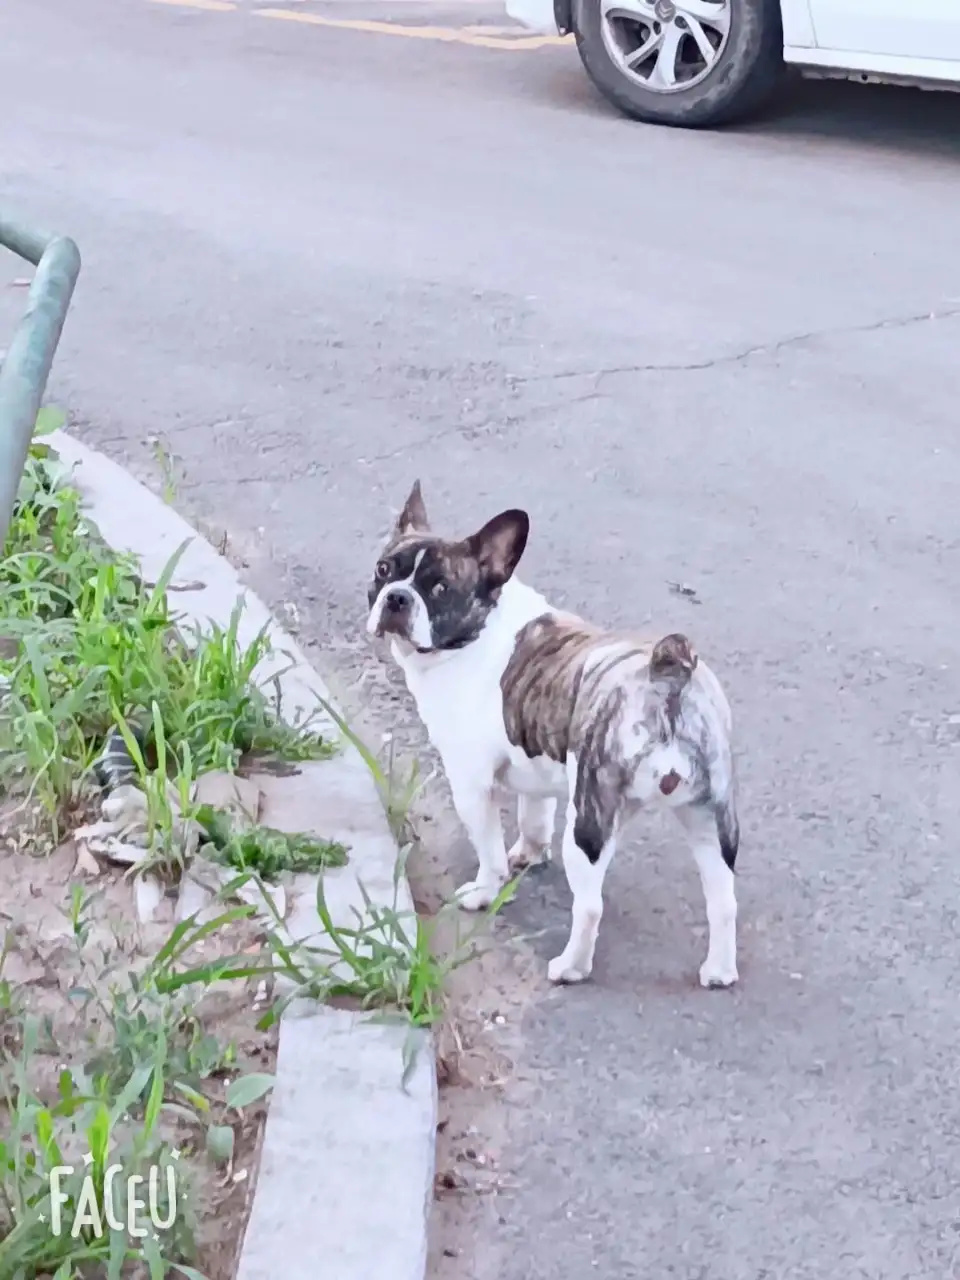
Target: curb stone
{"type": "Point", "coordinates": [347, 1163]}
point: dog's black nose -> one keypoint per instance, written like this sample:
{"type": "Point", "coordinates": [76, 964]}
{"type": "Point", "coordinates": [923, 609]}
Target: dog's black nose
{"type": "Point", "coordinates": [396, 601]}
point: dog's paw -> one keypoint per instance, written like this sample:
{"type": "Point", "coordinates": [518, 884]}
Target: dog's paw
{"type": "Point", "coordinates": [477, 894]}
{"type": "Point", "coordinates": [526, 854]}
{"type": "Point", "coordinates": [563, 973]}
{"type": "Point", "coordinates": [714, 975]}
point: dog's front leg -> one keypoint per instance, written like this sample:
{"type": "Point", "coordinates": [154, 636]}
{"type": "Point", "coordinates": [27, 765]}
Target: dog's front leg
{"type": "Point", "coordinates": [479, 812]}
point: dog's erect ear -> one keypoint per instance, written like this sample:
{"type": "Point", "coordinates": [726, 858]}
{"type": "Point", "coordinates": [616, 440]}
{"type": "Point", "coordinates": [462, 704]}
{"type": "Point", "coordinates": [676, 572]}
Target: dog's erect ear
{"type": "Point", "coordinates": [413, 517]}
{"type": "Point", "coordinates": [499, 545]}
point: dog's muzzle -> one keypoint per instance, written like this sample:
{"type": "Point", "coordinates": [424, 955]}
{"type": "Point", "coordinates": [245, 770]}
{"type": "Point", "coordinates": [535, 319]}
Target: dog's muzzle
{"type": "Point", "coordinates": [395, 612]}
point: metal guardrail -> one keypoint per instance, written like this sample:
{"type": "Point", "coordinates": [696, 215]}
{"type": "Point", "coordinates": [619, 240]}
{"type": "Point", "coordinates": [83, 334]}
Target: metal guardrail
{"type": "Point", "coordinates": [26, 365]}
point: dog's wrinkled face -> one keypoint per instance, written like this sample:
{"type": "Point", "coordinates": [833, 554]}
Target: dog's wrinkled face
{"type": "Point", "coordinates": [432, 593]}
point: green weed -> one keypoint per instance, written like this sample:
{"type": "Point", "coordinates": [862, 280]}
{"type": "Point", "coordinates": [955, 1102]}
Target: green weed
{"type": "Point", "coordinates": [385, 962]}
{"type": "Point", "coordinates": [166, 462]}
{"type": "Point", "coordinates": [56, 1207]}
{"type": "Point", "coordinates": [137, 1021]}
{"type": "Point", "coordinates": [147, 1059]}
{"type": "Point", "coordinates": [265, 851]}
{"type": "Point", "coordinates": [85, 644]}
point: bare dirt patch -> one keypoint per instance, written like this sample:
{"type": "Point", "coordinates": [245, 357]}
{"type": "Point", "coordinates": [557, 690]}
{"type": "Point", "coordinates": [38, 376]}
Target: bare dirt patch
{"type": "Point", "coordinates": [74, 954]}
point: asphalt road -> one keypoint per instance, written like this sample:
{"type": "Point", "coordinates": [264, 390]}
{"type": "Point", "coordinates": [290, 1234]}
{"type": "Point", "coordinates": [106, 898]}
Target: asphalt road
{"type": "Point", "coordinates": [321, 261]}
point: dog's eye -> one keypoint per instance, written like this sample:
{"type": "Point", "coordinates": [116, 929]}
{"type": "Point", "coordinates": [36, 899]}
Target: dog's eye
{"type": "Point", "coordinates": [383, 570]}
{"type": "Point", "coordinates": [438, 589]}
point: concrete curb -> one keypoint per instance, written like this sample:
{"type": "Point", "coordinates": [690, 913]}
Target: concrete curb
{"type": "Point", "coordinates": [347, 1168]}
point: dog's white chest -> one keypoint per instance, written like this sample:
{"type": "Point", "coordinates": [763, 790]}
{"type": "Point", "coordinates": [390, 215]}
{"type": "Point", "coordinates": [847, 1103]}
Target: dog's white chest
{"type": "Point", "coordinates": [460, 702]}
{"type": "Point", "coordinates": [461, 711]}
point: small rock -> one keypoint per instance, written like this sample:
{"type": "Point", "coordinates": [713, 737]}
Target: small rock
{"type": "Point", "coordinates": [449, 1180]}
{"type": "Point", "coordinates": [260, 897]}
{"type": "Point", "coordinates": [148, 894]}
{"type": "Point", "coordinates": [211, 874]}
{"type": "Point", "coordinates": [685, 590]}
{"type": "Point", "coordinates": [230, 793]}
{"type": "Point", "coordinates": [86, 864]}
{"type": "Point", "coordinates": [125, 808]}
{"type": "Point", "coordinates": [100, 838]}
{"type": "Point", "coordinates": [193, 899]}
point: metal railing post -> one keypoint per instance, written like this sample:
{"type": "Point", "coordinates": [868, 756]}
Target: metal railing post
{"type": "Point", "coordinates": [26, 365]}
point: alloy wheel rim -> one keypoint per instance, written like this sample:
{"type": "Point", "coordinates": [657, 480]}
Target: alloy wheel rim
{"type": "Point", "coordinates": [665, 46]}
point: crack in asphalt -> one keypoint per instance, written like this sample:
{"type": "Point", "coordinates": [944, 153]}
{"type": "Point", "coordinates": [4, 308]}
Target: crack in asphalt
{"type": "Point", "coordinates": [511, 419]}
{"type": "Point", "coordinates": [694, 366]}
{"type": "Point", "coordinates": [762, 349]}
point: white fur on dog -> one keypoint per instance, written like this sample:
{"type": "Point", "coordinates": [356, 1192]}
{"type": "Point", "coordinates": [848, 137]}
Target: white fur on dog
{"type": "Point", "coordinates": [459, 698]}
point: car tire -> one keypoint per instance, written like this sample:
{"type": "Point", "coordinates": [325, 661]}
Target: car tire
{"type": "Point", "coordinates": [743, 78]}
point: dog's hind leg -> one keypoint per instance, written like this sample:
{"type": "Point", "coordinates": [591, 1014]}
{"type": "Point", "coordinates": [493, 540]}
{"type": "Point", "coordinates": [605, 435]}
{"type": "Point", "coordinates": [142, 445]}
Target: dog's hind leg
{"type": "Point", "coordinates": [535, 818]}
{"type": "Point", "coordinates": [714, 838]}
{"type": "Point", "coordinates": [589, 843]}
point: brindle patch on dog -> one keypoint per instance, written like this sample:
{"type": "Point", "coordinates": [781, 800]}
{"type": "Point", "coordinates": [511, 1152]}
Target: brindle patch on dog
{"type": "Point", "coordinates": [551, 689]}
{"type": "Point", "coordinates": [564, 692]}
{"type": "Point", "coordinates": [572, 688]}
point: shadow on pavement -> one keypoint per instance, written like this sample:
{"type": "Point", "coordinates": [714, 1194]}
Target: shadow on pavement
{"type": "Point", "coordinates": [883, 117]}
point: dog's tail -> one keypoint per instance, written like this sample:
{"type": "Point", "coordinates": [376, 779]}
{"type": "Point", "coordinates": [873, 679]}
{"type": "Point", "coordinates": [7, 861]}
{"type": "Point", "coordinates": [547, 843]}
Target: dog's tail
{"type": "Point", "coordinates": [673, 660]}
{"type": "Point", "coordinates": [672, 663]}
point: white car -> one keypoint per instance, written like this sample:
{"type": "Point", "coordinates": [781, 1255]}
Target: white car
{"type": "Point", "coordinates": [707, 62]}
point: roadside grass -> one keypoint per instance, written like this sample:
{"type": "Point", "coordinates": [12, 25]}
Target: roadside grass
{"type": "Point", "coordinates": [92, 656]}
{"type": "Point", "coordinates": [86, 645]}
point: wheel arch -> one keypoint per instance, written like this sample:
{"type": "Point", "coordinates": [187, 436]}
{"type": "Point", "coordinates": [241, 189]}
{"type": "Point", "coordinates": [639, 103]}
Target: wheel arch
{"type": "Point", "coordinates": [566, 11]}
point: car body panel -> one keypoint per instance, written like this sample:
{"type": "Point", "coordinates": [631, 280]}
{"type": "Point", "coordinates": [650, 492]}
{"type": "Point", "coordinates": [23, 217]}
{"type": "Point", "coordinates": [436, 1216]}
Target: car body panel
{"type": "Point", "coordinates": [926, 39]}
{"type": "Point", "coordinates": [536, 15]}
{"type": "Point", "coordinates": [883, 68]}
{"type": "Point", "coordinates": [798, 28]}
{"type": "Point", "coordinates": [921, 29]}
{"type": "Point", "coordinates": [548, 16]}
